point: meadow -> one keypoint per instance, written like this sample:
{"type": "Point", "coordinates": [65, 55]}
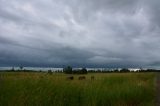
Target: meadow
{"type": "Point", "coordinates": [107, 89]}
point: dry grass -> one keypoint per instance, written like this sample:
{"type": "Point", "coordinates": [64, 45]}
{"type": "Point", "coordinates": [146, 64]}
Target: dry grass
{"type": "Point", "coordinates": [41, 89]}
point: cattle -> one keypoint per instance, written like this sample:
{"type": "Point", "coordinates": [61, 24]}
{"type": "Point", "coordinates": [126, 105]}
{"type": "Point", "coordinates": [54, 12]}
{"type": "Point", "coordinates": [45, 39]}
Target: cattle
{"type": "Point", "coordinates": [82, 78]}
{"type": "Point", "coordinates": [70, 78]}
{"type": "Point", "coordinates": [92, 77]}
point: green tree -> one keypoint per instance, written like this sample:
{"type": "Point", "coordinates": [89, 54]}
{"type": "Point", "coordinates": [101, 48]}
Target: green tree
{"type": "Point", "coordinates": [49, 71]}
{"type": "Point", "coordinates": [84, 71]}
{"type": "Point", "coordinates": [67, 70]}
{"type": "Point", "coordinates": [13, 69]}
{"type": "Point", "coordinates": [124, 70]}
{"type": "Point", "coordinates": [21, 68]}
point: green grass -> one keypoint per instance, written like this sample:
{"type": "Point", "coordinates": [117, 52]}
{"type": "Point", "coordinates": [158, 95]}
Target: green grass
{"type": "Point", "coordinates": [41, 89]}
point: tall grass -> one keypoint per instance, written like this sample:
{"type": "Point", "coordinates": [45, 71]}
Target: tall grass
{"type": "Point", "coordinates": [41, 89]}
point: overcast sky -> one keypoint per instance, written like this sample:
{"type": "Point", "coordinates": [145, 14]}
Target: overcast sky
{"type": "Point", "coordinates": [81, 33]}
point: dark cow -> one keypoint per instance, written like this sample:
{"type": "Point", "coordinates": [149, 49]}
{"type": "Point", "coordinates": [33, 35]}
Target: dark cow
{"type": "Point", "coordinates": [92, 77]}
{"type": "Point", "coordinates": [70, 78]}
{"type": "Point", "coordinates": [82, 78]}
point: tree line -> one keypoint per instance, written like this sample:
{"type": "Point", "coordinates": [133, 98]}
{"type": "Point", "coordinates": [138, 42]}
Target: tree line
{"type": "Point", "coordinates": [70, 70]}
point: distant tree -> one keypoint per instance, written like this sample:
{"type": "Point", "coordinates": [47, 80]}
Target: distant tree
{"type": "Point", "coordinates": [91, 71]}
{"type": "Point", "coordinates": [49, 71]}
{"type": "Point", "coordinates": [151, 70]}
{"type": "Point", "coordinates": [12, 69]}
{"type": "Point", "coordinates": [84, 71]}
{"type": "Point", "coordinates": [21, 67]}
{"type": "Point", "coordinates": [116, 70]}
{"type": "Point", "coordinates": [67, 70]}
{"type": "Point", "coordinates": [124, 70]}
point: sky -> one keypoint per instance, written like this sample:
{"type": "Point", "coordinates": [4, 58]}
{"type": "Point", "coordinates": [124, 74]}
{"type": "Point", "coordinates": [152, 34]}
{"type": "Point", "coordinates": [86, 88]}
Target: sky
{"type": "Point", "coordinates": [80, 33]}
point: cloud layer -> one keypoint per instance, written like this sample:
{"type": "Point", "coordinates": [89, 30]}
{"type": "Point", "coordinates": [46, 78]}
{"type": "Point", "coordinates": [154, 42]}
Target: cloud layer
{"type": "Point", "coordinates": [88, 33]}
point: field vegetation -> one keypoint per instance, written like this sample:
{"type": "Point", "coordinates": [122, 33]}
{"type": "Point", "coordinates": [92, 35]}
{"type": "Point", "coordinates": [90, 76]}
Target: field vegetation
{"type": "Point", "coordinates": [106, 89]}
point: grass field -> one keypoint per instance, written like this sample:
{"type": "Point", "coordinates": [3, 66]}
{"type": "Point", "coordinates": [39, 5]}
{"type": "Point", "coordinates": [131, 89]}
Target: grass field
{"type": "Point", "coordinates": [42, 89]}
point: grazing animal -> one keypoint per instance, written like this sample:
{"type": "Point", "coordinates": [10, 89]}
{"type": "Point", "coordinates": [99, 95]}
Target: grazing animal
{"type": "Point", "coordinates": [70, 78]}
{"type": "Point", "coordinates": [82, 78]}
{"type": "Point", "coordinates": [92, 77]}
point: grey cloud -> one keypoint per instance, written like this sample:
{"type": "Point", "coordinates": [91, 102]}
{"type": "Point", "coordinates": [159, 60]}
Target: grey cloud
{"type": "Point", "coordinates": [153, 9]}
{"type": "Point", "coordinates": [97, 33]}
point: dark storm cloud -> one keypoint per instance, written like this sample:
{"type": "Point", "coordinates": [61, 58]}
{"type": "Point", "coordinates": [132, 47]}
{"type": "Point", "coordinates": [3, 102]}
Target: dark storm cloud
{"type": "Point", "coordinates": [98, 33]}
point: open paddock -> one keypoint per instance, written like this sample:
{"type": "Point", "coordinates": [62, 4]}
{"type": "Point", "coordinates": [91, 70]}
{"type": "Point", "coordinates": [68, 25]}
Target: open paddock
{"type": "Point", "coordinates": [109, 89]}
